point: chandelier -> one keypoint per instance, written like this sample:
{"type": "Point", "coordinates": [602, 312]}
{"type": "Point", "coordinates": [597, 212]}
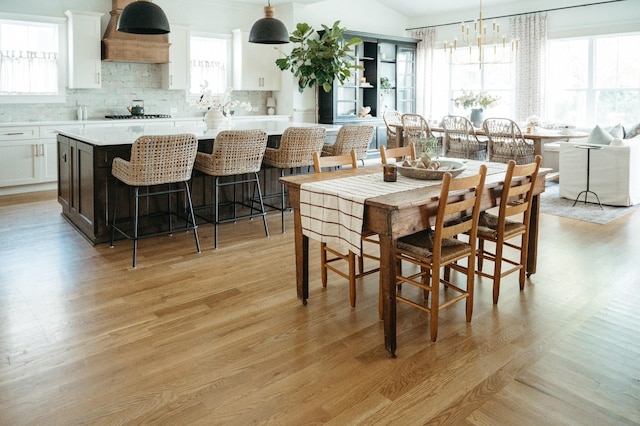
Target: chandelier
{"type": "Point", "coordinates": [484, 46]}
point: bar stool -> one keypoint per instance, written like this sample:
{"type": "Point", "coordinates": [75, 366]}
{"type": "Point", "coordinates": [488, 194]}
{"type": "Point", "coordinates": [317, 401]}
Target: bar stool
{"type": "Point", "coordinates": [357, 138]}
{"type": "Point", "coordinates": [296, 149]}
{"type": "Point", "coordinates": [156, 160]}
{"type": "Point", "coordinates": [237, 154]}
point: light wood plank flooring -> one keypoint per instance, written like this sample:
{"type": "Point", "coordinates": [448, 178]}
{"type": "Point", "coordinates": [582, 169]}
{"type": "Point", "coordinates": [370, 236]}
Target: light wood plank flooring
{"type": "Point", "coordinates": [220, 337]}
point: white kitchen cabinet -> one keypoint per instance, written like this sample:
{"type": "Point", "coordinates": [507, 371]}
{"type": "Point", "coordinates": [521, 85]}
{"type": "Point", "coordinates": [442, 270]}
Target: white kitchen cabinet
{"type": "Point", "coordinates": [85, 66]}
{"type": "Point", "coordinates": [254, 65]}
{"type": "Point", "coordinates": [175, 74]}
{"type": "Point", "coordinates": [24, 158]}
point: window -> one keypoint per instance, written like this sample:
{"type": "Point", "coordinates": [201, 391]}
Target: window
{"type": "Point", "coordinates": [450, 79]}
{"type": "Point", "coordinates": [31, 66]}
{"type": "Point", "coordinates": [593, 80]}
{"type": "Point", "coordinates": [209, 63]}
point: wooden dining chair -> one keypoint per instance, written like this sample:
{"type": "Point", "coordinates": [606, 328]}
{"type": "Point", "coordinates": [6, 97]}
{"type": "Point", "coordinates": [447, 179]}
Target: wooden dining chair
{"type": "Point", "coordinates": [460, 139]}
{"type": "Point", "coordinates": [388, 154]}
{"type": "Point", "coordinates": [438, 247]}
{"type": "Point", "coordinates": [330, 255]}
{"type": "Point", "coordinates": [512, 221]}
{"type": "Point", "coordinates": [506, 142]}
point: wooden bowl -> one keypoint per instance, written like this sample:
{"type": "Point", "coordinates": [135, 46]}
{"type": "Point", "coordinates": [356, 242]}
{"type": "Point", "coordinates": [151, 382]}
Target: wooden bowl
{"type": "Point", "coordinates": [451, 166]}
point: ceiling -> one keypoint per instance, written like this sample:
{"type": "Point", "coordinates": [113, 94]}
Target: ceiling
{"type": "Point", "coordinates": [424, 8]}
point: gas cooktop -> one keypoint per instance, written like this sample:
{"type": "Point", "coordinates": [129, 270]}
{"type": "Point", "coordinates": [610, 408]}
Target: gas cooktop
{"type": "Point", "coordinates": [137, 117]}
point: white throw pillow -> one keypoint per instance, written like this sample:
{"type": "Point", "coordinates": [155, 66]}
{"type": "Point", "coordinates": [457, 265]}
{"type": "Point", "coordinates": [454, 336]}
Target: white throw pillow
{"type": "Point", "coordinates": [617, 142]}
{"type": "Point", "coordinates": [599, 136]}
{"type": "Point", "coordinates": [616, 131]}
{"type": "Point", "coordinates": [633, 131]}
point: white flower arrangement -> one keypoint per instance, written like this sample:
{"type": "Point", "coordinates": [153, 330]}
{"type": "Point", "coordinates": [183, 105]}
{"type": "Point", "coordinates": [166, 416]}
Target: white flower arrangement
{"type": "Point", "coordinates": [468, 99]}
{"type": "Point", "coordinates": [220, 101]}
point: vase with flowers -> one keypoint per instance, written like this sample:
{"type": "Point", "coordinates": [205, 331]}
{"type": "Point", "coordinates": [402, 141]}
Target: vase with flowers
{"type": "Point", "coordinates": [478, 102]}
{"type": "Point", "coordinates": [219, 106]}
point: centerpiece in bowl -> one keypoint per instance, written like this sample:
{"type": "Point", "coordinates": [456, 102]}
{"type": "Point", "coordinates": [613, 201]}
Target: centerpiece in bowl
{"type": "Point", "coordinates": [426, 168]}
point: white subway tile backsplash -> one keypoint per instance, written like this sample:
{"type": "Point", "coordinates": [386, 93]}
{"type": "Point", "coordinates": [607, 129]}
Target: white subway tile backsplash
{"type": "Point", "coordinates": [121, 83]}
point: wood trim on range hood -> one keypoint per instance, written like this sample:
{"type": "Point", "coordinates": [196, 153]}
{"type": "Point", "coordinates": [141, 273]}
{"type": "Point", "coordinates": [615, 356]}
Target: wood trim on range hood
{"type": "Point", "coordinates": [125, 47]}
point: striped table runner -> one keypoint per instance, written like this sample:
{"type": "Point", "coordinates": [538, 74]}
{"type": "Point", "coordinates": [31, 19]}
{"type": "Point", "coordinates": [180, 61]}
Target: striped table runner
{"type": "Point", "coordinates": [332, 211]}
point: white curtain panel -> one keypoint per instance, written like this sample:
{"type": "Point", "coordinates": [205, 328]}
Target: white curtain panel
{"type": "Point", "coordinates": [531, 30]}
{"type": "Point", "coordinates": [27, 72]}
{"type": "Point", "coordinates": [424, 68]}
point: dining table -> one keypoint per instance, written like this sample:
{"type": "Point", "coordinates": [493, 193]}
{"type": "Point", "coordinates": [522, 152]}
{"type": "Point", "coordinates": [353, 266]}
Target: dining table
{"type": "Point", "coordinates": [539, 136]}
{"type": "Point", "coordinates": [389, 209]}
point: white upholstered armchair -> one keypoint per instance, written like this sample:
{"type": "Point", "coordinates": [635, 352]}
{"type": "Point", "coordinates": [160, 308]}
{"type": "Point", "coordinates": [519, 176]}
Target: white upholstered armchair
{"type": "Point", "coordinates": [614, 172]}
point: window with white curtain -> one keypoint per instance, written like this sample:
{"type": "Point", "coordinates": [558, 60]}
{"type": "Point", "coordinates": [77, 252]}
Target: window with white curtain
{"type": "Point", "coordinates": [30, 60]}
{"type": "Point", "coordinates": [209, 63]}
{"type": "Point", "coordinates": [593, 79]}
{"type": "Point", "coordinates": [452, 79]}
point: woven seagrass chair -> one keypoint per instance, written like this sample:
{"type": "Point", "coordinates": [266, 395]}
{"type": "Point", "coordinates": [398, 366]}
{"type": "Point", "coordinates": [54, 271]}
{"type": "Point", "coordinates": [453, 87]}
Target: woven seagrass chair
{"type": "Point", "coordinates": [391, 117]}
{"type": "Point", "coordinates": [326, 261]}
{"type": "Point", "coordinates": [439, 247]}
{"type": "Point", "coordinates": [460, 139]}
{"type": "Point", "coordinates": [237, 154]}
{"type": "Point", "coordinates": [506, 142]}
{"type": "Point", "coordinates": [296, 149]}
{"type": "Point", "coordinates": [514, 216]}
{"type": "Point", "coordinates": [357, 138]}
{"type": "Point", "coordinates": [390, 154]}
{"type": "Point", "coordinates": [415, 128]}
{"type": "Point", "coordinates": [156, 160]}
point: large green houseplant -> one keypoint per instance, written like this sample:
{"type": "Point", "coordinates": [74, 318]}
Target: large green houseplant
{"type": "Point", "coordinates": [319, 61]}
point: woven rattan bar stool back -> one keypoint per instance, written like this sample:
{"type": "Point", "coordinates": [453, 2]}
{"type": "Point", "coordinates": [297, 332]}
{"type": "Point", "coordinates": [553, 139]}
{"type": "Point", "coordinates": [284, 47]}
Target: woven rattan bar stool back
{"type": "Point", "coordinates": [295, 152]}
{"type": "Point", "coordinates": [156, 163]}
{"type": "Point", "coordinates": [235, 161]}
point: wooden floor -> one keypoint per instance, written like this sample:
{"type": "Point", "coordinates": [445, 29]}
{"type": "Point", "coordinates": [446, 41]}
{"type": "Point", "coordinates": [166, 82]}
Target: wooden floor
{"type": "Point", "coordinates": [220, 337]}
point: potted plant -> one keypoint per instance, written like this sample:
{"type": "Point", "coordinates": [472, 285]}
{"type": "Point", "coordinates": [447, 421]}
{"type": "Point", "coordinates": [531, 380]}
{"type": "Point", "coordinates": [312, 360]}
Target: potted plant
{"type": "Point", "coordinates": [477, 102]}
{"type": "Point", "coordinates": [317, 62]}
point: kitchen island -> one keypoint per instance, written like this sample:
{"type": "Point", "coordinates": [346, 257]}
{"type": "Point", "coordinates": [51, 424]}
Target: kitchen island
{"type": "Point", "coordinates": [86, 186]}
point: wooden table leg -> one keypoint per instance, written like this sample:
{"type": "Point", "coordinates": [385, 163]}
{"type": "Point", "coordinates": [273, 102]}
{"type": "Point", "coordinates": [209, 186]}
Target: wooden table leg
{"type": "Point", "coordinates": [387, 277]}
{"type": "Point", "coordinates": [302, 248]}
{"type": "Point", "coordinates": [532, 253]}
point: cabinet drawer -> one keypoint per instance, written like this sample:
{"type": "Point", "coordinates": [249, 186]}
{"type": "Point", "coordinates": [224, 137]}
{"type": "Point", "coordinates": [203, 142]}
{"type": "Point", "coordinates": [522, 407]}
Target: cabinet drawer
{"type": "Point", "coordinates": [19, 132]}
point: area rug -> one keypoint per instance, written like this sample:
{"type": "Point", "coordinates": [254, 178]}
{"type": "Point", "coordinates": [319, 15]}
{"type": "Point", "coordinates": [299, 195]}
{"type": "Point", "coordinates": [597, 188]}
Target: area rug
{"type": "Point", "coordinates": [552, 203]}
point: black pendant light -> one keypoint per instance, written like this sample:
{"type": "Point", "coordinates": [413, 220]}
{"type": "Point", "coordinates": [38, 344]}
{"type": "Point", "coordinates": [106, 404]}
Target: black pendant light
{"type": "Point", "coordinates": [143, 17]}
{"type": "Point", "coordinates": [269, 30]}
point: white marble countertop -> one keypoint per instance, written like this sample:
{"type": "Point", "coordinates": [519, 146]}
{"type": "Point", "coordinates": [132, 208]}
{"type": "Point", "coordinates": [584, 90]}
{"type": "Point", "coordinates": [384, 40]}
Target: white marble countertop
{"type": "Point", "coordinates": [132, 120]}
{"type": "Point", "coordinates": [127, 134]}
